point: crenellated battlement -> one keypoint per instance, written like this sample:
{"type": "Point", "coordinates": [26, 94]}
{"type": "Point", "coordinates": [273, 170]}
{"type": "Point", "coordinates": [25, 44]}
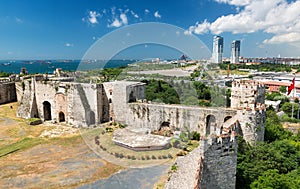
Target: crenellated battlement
{"type": "Point", "coordinates": [248, 97]}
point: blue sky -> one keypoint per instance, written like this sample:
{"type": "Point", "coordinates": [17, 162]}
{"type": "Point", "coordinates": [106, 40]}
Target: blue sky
{"type": "Point", "coordinates": [66, 29]}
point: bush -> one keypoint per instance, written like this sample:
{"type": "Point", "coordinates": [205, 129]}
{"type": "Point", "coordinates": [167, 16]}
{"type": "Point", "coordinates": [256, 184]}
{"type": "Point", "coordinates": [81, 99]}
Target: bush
{"type": "Point", "coordinates": [153, 157]}
{"type": "Point", "coordinates": [34, 121]}
{"type": "Point", "coordinates": [174, 167]}
{"type": "Point", "coordinates": [181, 153]}
{"type": "Point", "coordinates": [195, 136]}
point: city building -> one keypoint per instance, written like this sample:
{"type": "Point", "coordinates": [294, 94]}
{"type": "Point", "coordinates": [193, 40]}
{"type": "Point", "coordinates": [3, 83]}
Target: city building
{"type": "Point", "coordinates": [235, 51]}
{"type": "Point", "coordinates": [217, 49]}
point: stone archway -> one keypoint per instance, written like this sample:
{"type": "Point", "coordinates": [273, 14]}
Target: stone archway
{"type": "Point", "coordinates": [164, 124]}
{"type": "Point", "coordinates": [210, 124]}
{"type": "Point", "coordinates": [165, 129]}
{"type": "Point", "coordinates": [47, 110]}
{"type": "Point", "coordinates": [61, 117]}
{"type": "Point", "coordinates": [227, 118]}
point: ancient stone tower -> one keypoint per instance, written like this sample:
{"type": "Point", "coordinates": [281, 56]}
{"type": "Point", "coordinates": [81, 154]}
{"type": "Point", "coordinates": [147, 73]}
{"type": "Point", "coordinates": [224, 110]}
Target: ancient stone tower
{"type": "Point", "coordinates": [248, 97]}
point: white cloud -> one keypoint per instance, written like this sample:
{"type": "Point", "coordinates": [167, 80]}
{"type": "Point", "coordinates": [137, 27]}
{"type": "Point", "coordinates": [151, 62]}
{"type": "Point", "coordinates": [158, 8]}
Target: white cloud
{"type": "Point", "coordinates": [118, 22]}
{"type": "Point", "coordinates": [234, 2]}
{"type": "Point", "coordinates": [147, 11]}
{"type": "Point", "coordinates": [19, 20]}
{"type": "Point", "coordinates": [188, 32]}
{"type": "Point", "coordinates": [124, 19]}
{"type": "Point", "coordinates": [284, 38]}
{"type": "Point", "coordinates": [198, 28]}
{"type": "Point", "coordinates": [277, 17]}
{"type": "Point", "coordinates": [202, 28]}
{"type": "Point", "coordinates": [69, 45]}
{"type": "Point", "coordinates": [157, 15]}
{"type": "Point", "coordinates": [92, 17]}
{"type": "Point", "coordinates": [134, 14]}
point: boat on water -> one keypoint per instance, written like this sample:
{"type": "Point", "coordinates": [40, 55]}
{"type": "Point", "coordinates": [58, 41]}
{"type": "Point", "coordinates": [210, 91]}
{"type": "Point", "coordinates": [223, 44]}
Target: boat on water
{"type": "Point", "coordinates": [6, 64]}
{"type": "Point", "coordinates": [27, 62]}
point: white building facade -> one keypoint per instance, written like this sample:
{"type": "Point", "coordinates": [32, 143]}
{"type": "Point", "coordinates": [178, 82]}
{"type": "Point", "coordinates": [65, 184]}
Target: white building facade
{"type": "Point", "coordinates": [217, 49]}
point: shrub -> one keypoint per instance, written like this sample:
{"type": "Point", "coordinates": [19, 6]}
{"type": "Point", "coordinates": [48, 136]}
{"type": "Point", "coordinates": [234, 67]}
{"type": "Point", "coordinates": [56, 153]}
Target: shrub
{"type": "Point", "coordinates": [195, 136]}
{"type": "Point", "coordinates": [174, 167]}
{"type": "Point", "coordinates": [181, 153]}
{"type": "Point", "coordinates": [34, 121]}
{"type": "Point", "coordinates": [170, 156]}
{"type": "Point", "coordinates": [153, 157]}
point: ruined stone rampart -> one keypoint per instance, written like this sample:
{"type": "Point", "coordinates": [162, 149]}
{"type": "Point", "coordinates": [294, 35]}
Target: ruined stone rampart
{"type": "Point", "coordinates": [193, 118]}
{"type": "Point", "coordinates": [248, 97]}
{"type": "Point", "coordinates": [211, 165]}
{"type": "Point", "coordinates": [219, 163]}
{"type": "Point", "coordinates": [7, 92]}
{"type": "Point", "coordinates": [77, 104]}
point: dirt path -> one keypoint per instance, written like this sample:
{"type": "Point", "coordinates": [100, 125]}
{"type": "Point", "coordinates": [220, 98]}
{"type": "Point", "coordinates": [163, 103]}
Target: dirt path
{"type": "Point", "coordinates": [32, 159]}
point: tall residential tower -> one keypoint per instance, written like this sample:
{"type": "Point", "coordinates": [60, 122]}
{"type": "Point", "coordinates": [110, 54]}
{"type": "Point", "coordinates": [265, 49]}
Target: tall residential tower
{"type": "Point", "coordinates": [235, 51]}
{"type": "Point", "coordinates": [217, 49]}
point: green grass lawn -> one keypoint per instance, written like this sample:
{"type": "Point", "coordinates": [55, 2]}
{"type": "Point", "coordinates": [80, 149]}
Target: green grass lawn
{"type": "Point", "coordinates": [23, 144]}
{"type": "Point", "coordinates": [127, 156]}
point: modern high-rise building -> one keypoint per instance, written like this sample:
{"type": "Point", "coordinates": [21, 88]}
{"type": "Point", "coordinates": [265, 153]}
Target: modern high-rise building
{"type": "Point", "coordinates": [235, 51]}
{"type": "Point", "coordinates": [217, 49]}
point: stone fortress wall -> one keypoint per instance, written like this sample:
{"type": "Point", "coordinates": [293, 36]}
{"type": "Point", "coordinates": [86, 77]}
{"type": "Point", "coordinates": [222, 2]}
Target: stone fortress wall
{"type": "Point", "coordinates": [217, 156]}
{"type": "Point", "coordinates": [248, 97]}
{"type": "Point", "coordinates": [85, 105]}
{"type": "Point", "coordinates": [77, 104]}
{"type": "Point", "coordinates": [7, 92]}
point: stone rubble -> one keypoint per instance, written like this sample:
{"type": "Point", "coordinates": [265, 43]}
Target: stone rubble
{"type": "Point", "coordinates": [58, 130]}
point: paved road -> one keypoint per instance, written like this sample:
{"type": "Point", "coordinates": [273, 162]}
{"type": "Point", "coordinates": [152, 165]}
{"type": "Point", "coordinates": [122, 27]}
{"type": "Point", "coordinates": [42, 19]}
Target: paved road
{"type": "Point", "coordinates": [137, 178]}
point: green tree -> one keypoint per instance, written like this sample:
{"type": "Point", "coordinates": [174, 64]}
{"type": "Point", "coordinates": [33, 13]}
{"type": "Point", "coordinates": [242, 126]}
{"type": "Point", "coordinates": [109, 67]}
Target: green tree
{"type": "Point", "coordinates": [287, 108]}
{"type": "Point", "coordinates": [253, 161]}
{"type": "Point", "coordinates": [273, 128]}
{"type": "Point", "coordinates": [161, 91]}
{"type": "Point", "coordinates": [271, 179]}
{"type": "Point", "coordinates": [282, 89]}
